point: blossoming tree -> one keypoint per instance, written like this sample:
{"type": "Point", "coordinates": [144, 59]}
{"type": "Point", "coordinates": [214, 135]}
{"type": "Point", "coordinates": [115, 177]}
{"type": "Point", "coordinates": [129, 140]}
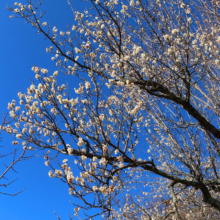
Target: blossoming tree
{"type": "Point", "coordinates": [143, 126]}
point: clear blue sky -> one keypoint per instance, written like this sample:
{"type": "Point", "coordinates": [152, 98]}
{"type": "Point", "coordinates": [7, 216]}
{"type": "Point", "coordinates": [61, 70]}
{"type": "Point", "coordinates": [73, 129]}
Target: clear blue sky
{"type": "Point", "coordinates": [21, 48]}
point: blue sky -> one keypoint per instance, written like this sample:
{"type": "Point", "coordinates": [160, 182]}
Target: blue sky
{"type": "Point", "coordinates": [21, 48]}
